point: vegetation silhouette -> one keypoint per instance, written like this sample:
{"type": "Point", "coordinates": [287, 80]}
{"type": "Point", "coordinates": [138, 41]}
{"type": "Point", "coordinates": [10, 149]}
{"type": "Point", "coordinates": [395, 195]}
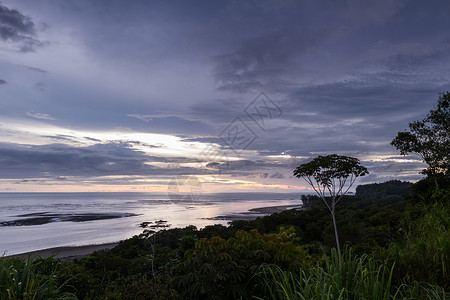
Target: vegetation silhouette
{"type": "Point", "coordinates": [331, 177]}
{"type": "Point", "coordinates": [430, 138]}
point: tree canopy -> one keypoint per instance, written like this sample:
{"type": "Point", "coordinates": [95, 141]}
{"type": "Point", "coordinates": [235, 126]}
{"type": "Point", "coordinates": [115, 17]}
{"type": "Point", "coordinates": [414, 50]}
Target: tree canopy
{"type": "Point", "coordinates": [430, 138]}
{"type": "Point", "coordinates": [332, 174]}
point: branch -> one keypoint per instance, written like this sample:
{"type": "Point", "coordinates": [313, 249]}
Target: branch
{"type": "Point", "coordinates": [318, 190]}
{"type": "Point", "coordinates": [339, 193]}
{"type": "Point", "coordinates": [352, 180]}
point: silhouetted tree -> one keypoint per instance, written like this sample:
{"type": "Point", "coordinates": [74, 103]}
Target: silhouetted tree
{"type": "Point", "coordinates": [430, 138]}
{"type": "Point", "coordinates": [331, 177]}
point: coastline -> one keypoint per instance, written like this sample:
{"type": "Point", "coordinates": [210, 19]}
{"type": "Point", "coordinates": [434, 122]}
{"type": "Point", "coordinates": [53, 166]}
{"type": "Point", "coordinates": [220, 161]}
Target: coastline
{"type": "Point", "coordinates": [254, 213]}
{"type": "Point", "coordinates": [66, 253]}
{"type": "Point", "coordinates": [69, 253]}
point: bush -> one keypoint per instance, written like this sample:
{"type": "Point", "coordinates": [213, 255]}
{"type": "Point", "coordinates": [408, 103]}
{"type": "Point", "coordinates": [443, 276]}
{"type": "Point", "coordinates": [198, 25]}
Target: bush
{"type": "Point", "coordinates": [225, 269]}
{"type": "Point", "coordinates": [424, 255]}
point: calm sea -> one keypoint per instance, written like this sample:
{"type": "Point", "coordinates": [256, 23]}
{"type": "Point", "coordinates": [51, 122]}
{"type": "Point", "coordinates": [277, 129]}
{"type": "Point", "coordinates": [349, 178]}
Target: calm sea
{"type": "Point", "coordinates": [34, 221]}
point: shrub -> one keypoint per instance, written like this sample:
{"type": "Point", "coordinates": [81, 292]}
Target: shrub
{"type": "Point", "coordinates": [225, 269]}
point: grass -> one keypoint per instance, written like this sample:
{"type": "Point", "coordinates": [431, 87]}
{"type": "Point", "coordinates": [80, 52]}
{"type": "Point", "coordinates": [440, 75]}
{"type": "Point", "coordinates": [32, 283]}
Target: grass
{"type": "Point", "coordinates": [31, 279]}
{"type": "Point", "coordinates": [358, 277]}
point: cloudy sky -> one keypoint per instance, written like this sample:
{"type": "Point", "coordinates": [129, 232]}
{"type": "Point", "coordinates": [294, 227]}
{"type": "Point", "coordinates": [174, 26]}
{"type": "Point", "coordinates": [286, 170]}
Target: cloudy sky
{"type": "Point", "coordinates": [124, 95]}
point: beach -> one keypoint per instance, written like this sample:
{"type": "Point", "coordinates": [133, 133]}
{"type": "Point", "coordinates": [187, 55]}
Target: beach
{"type": "Point", "coordinates": [68, 253]}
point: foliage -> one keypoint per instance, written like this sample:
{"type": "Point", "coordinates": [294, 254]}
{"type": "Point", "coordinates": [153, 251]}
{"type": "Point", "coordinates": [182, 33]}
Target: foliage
{"type": "Point", "coordinates": [357, 277]}
{"type": "Point", "coordinates": [224, 269]}
{"type": "Point", "coordinates": [425, 190]}
{"type": "Point", "coordinates": [354, 278]}
{"type": "Point", "coordinates": [430, 138]}
{"type": "Point", "coordinates": [388, 188]}
{"type": "Point", "coordinates": [424, 254]}
{"type": "Point", "coordinates": [35, 278]}
{"type": "Point", "coordinates": [329, 174]}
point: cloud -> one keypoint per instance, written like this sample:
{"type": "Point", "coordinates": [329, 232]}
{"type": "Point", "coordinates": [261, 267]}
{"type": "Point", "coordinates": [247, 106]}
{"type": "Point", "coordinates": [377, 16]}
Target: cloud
{"type": "Point", "coordinates": [277, 175]}
{"type": "Point", "coordinates": [18, 29]}
{"type": "Point", "coordinates": [59, 160]}
{"type": "Point", "coordinates": [290, 43]}
{"type": "Point", "coordinates": [260, 60]}
{"type": "Point", "coordinates": [62, 138]}
{"type": "Point", "coordinates": [244, 165]}
{"type": "Point", "coordinates": [36, 69]}
{"type": "Point", "coordinates": [145, 118]}
{"type": "Point", "coordinates": [3, 81]}
{"type": "Point", "coordinates": [40, 116]}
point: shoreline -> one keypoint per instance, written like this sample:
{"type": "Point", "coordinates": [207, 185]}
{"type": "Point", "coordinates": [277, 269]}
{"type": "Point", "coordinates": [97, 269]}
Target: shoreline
{"type": "Point", "coordinates": [69, 253]}
{"type": "Point", "coordinates": [66, 253]}
{"type": "Point", "coordinates": [254, 213]}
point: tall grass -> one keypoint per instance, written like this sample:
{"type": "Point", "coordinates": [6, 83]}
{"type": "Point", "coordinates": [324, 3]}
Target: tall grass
{"type": "Point", "coordinates": [425, 255]}
{"type": "Point", "coordinates": [356, 278]}
{"type": "Point", "coordinates": [32, 279]}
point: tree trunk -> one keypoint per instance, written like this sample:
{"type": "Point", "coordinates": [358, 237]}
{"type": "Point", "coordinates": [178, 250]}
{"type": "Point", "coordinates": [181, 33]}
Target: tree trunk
{"type": "Point", "coordinates": [336, 232]}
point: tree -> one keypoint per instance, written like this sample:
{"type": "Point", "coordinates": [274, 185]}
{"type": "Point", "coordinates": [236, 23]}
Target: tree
{"type": "Point", "coordinates": [331, 177]}
{"type": "Point", "coordinates": [430, 138]}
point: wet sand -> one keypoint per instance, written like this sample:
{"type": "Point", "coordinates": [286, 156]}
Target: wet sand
{"type": "Point", "coordinates": [67, 253]}
{"type": "Point", "coordinates": [46, 217]}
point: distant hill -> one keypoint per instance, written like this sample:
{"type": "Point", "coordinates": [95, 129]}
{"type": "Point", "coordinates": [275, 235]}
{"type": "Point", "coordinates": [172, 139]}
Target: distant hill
{"type": "Point", "coordinates": [388, 188]}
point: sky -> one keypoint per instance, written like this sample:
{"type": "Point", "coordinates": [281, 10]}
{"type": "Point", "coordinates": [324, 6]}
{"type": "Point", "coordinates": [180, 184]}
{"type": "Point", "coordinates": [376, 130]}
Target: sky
{"type": "Point", "coordinates": [130, 95]}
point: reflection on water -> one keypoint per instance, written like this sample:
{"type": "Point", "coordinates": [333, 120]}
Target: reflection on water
{"type": "Point", "coordinates": [143, 207]}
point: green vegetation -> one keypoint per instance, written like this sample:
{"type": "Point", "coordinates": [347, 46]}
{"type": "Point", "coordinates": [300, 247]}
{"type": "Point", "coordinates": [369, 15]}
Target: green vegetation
{"type": "Point", "coordinates": [357, 277]}
{"type": "Point", "coordinates": [33, 279]}
{"type": "Point", "coordinates": [395, 235]}
{"type": "Point", "coordinates": [226, 269]}
{"type": "Point", "coordinates": [382, 190]}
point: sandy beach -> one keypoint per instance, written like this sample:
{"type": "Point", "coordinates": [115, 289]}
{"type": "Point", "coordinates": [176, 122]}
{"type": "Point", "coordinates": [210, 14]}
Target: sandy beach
{"type": "Point", "coordinates": [67, 253]}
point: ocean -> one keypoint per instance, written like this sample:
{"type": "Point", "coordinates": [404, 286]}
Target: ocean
{"type": "Point", "coordinates": [35, 221]}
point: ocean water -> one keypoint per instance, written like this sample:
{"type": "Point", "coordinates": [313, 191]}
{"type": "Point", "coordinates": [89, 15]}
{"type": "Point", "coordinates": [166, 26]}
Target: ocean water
{"type": "Point", "coordinates": [35, 221]}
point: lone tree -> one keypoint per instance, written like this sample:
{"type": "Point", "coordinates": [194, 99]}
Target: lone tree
{"type": "Point", "coordinates": [430, 138]}
{"type": "Point", "coordinates": [331, 177]}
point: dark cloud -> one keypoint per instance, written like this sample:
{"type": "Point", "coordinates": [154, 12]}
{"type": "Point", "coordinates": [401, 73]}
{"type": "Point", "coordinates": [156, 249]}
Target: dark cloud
{"type": "Point", "coordinates": [37, 70]}
{"type": "Point", "coordinates": [3, 81]}
{"type": "Point", "coordinates": [18, 28]}
{"type": "Point", "coordinates": [291, 42]}
{"type": "Point", "coordinates": [59, 160]}
{"type": "Point", "coordinates": [277, 175]}
{"type": "Point", "coordinates": [61, 138]}
{"type": "Point", "coordinates": [274, 175]}
{"type": "Point", "coordinates": [377, 178]}
{"type": "Point", "coordinates": [396, 168]}
{"type": "Point", "coordinates": [261, 60]}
